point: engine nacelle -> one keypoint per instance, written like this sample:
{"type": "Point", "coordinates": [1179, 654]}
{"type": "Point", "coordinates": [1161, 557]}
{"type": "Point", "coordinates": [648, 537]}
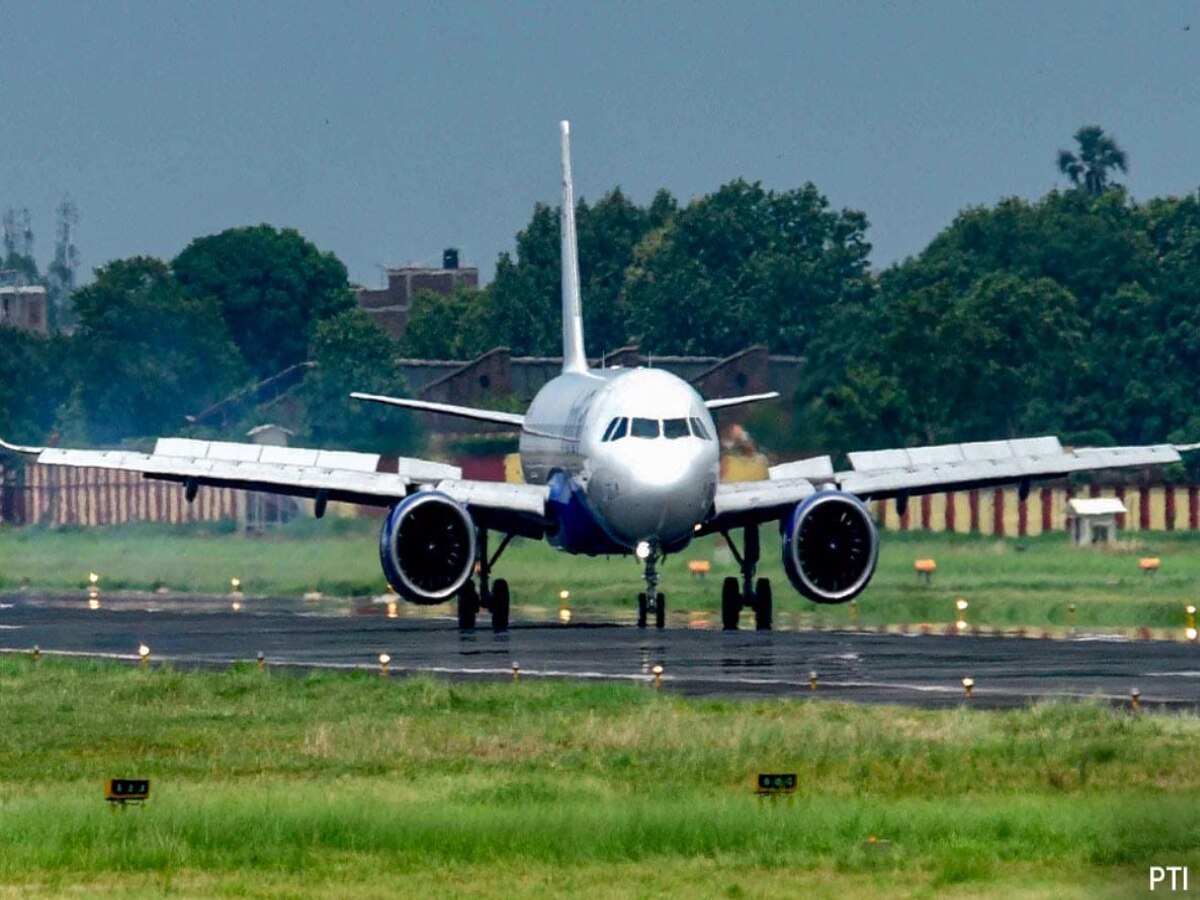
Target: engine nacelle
{"type": "Point", "coordinates": [830, 547]}
{"type": "Point", "coordinates": [427, 547]}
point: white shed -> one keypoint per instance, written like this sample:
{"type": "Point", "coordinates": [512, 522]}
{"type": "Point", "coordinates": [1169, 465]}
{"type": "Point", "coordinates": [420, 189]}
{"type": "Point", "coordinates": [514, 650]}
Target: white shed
{"type": "Point", "coordinates": [258, 512]}
{"type": "Point", "coordinates": [1093, 520]}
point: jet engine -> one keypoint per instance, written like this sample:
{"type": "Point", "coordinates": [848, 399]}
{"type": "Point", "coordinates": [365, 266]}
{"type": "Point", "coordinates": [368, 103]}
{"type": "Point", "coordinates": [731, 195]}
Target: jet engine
{"type": "Point", "coordinates": [830, 547]}
{"type": "Point", "coordinates": [427, 547]}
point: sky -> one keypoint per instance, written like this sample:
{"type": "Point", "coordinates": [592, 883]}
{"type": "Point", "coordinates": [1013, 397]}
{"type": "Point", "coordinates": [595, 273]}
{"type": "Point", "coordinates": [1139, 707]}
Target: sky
{"type": "Point", "coordinates": [385, 131]}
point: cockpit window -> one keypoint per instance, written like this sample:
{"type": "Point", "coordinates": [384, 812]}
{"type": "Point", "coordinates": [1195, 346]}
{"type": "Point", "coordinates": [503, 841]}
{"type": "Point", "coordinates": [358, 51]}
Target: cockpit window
{"type": "Point", "coordinates": [612, 426]}
{"type": "Point", "coordinates": [698, 428]}
{"type": "Point", "coordinates": [621, 430]}
{"type": "Point", "coordinates": [644, 428]}
{"type": "Point", "coordinates": [675, 428]}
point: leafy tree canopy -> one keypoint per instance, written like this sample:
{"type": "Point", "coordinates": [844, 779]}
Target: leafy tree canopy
{"type": "Point", "coordinates": [36, 376]}
{"type": "Point", "coordinates": [271, 286]}
{"type": "Point", "coordinates": [1089, 166]}
{"type": "Point", "coordinates": [746, 265]}
{"type": "Point", "coordinates": [353, 354]}
{"type": "Point", "coordinates": [148, 352]}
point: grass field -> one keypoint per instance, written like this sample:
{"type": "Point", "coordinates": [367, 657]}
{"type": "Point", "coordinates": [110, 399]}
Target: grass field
{"type": "Point", "coordinates": [267, 784]}
{"type": "Point", "coordinates": [1007, 582]}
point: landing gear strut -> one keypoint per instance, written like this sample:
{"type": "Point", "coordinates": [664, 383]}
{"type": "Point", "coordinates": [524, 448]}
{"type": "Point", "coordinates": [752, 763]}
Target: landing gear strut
{"type": "Point", "coordinates": [750, 594]}
{"type": "Point", "coordinates": [652, 601]}
{"type": "Point", "coordinates": [492, 596]}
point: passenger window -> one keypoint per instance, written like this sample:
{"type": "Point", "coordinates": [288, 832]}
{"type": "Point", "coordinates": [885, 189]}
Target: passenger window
{"type": "Point", "coordinates": [675, 428]}
{"type": "Point", "coordinates": [644, 428]}
{"type": "Point", "coordinates": [621, 430]}
{"type": "Point", "coordinates": [608, 432]}
{"type": "Point", "coordinates": [698, 428]}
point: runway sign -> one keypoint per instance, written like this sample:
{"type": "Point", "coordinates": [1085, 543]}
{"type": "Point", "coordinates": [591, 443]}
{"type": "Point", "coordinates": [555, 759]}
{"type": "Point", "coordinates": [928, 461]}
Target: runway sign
{"type": "Point", "coordinates": [777, 784]}
{"type": "Point", "coordinates": [125, 790]}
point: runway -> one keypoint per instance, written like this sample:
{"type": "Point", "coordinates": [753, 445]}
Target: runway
{"type": "Point", "coordinates": [919, 670]}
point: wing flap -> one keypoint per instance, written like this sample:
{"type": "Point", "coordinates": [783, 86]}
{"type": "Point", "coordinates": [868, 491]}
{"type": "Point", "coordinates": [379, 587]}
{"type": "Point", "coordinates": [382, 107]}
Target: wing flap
{"type": "Point", "coordinates": [817, 468]}
{"type": "Point", "coordinates": [883, 473]}
{"type": "Point", "coordinates": [518, 498]}
{"type": "Point", "coordinates": [735, 498]}
{"type": "Point", "coordinates": [282, 478]}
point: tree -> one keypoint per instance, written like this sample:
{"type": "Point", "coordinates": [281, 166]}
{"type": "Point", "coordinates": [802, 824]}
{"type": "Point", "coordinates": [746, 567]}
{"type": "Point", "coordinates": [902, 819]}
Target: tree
{"type": "Point", "coordinates": [36, 376]}
{"type": "Point", "coordinates": [1098, 154]}
{"type": "Point", "coordinates": [524, 301]}
{"type": "Point", "coordinates": [148, 353]}
{"type": "Point", "coordinates": [353, 354]}
{"type": "Point", "coordinates": [271, 286]}
{"type": "Point", "coordinates": [745, 265]}
{"type": "Point", "coordinates": [457, 326]}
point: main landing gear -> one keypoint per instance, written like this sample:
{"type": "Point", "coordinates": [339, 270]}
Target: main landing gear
{"type": "Point", "coordinates": [652, 602]}
{"type": "Point", "coordinates": [750, 594]}
{"type": "Point", "coordinates": [492, 596]}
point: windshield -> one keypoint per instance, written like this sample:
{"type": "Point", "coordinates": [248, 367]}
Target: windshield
{"type": "Point", "coordinates": [644, 428]}
{"type": "Point", "coordinates": [675, 428]}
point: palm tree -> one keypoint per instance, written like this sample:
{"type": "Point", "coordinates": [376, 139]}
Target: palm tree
{"type": "Point", "coordinates": [1098, 154]}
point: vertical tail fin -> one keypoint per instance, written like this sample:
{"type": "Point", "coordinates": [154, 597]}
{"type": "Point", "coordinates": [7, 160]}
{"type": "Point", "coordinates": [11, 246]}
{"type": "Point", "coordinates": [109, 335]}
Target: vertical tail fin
{"type": "Point", "coordinates": [574, 357]}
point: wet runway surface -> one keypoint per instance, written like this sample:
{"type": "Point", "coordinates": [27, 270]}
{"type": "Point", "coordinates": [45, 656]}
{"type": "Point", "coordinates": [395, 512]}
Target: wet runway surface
{"type": "Point", "coordinates": [916, 670]}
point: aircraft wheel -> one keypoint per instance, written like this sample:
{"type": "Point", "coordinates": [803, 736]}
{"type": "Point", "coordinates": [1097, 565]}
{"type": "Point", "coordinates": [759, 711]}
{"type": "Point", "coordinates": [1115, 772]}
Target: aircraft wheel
{"type": "Point", "coordinates": [641, 622]}
{"type": "Point", "coordinates": [731, 604]}
{"type": "Point", "coordinates": [500, 605]}
{"type": "Point", "coordinates": [660, 611]}
{"type": "Point", "coordinates": [762, 604]}
{"type": "Point", "coordinates": [468, 606]}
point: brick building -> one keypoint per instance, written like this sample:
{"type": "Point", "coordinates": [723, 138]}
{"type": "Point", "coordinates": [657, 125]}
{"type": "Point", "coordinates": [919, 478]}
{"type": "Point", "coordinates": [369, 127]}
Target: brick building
{"type": "Point", "coordinates": [389, 306]}
{"type": "Point", "coordinates": [24, 306]}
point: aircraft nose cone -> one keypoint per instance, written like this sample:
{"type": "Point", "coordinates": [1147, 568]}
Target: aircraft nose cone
{"type": "Point", "coordinates": [654, 497]}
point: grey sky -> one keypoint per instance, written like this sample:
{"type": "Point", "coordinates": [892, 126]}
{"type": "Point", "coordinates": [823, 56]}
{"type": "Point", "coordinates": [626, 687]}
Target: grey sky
{"type": "Point", "coordinates": [385, 131]}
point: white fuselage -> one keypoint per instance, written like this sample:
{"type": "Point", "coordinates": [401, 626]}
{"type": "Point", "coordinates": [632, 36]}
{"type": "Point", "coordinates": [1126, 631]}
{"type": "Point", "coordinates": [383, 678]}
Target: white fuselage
{"type": "Point", "coordinates": [652, 478]}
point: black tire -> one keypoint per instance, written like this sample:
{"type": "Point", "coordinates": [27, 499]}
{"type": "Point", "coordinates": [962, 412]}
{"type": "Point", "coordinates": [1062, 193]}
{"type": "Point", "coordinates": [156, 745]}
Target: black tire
{"type": "Point", "coordinates": [500, 605]}
{"type": "Point", "coordinates": [468, 606]}
{"type": "Point", "coordinates": [763, 604]}
{"type": "Point", "coordinates": [641, 622]}
{"type": "Point", "coordinates": [660, 611]}
{"type": "Point", "coordinates": [731, 603]}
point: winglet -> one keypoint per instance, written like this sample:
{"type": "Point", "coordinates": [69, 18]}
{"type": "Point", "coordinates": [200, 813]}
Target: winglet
{"type": "Point", "coordinates": [18, 448]}
{"type": "Point", "coordinates": [574, 358]}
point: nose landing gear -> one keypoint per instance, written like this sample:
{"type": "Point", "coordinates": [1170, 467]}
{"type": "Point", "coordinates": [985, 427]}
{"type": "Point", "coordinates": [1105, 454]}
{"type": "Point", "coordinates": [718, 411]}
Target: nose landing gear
{"type": "Point", "coordinates": [749, 594]}
{"type": "Point", "coordinates": [493, 597]}
{"type": "Point", "coordinates": [652, 601]}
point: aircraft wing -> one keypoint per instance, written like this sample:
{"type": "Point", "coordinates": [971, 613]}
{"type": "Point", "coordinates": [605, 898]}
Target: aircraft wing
{"type": "Point", "coordinates": [881, 474]}
{"type": "Point", "coordinates": [878, 474]}
{"type": "Point", "coordinates": [319, 474]}
{"type": "Point", "coordinates": [724, 402]}
{"type": "Point", "coordinates": [513, 420]}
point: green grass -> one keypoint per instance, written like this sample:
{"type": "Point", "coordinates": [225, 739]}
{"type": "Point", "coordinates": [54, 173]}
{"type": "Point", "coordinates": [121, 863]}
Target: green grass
{"type": "Point", "coordinates": [268, 784]}
{"type": "Point", "coordinates": [1007, 582]}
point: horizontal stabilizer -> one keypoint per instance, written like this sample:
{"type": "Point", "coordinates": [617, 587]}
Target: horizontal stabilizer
{"type": "Point", "coordinates": [512, 420]}
{"type": "Point", "coordinates": [738, 401]}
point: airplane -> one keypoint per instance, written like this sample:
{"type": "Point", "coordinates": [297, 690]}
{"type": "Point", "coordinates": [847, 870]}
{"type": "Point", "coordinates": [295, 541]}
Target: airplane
{"type": "Point", "coordinates": [615, 461]}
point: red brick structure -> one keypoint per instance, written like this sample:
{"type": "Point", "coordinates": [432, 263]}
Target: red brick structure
{"type": "Point", "coordinates": [24, 306]}
{"type": "Point", "coordinates": [389, 306]}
